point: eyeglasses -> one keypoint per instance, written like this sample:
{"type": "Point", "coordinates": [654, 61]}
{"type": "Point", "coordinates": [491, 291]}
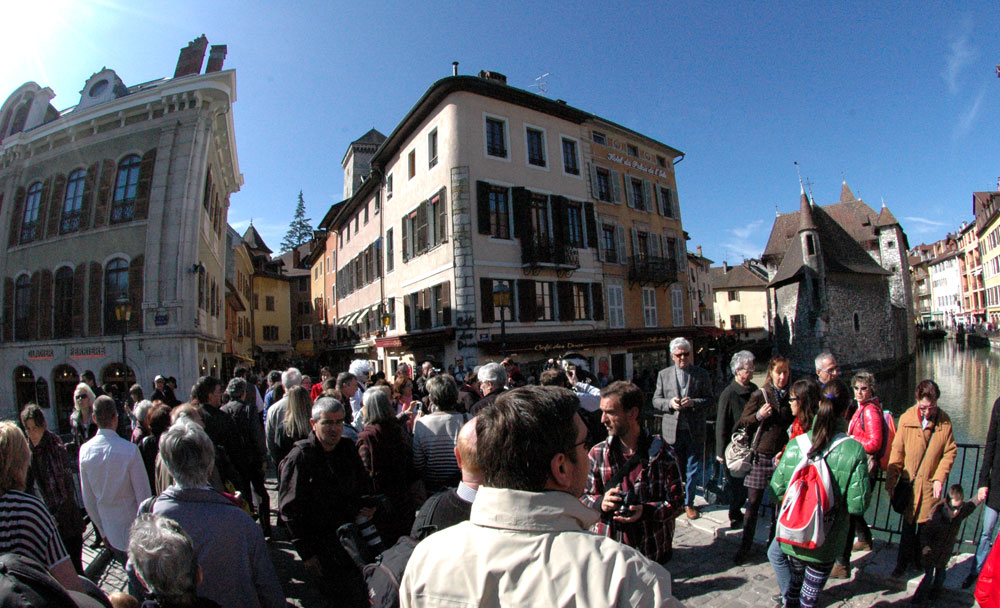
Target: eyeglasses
{"type": "Point", "coordinates": [830, 370]}
{"type": "Point", "coordinates": [682, 355]}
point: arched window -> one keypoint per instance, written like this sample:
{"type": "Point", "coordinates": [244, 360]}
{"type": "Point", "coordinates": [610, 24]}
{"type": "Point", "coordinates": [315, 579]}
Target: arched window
{"type": "Point", "coordinates": [115, 292]}
{"type": "Point", "coordinates": [20, 118]}
{"type": "Point", "coordinates": [73, 202]}
{"type": "Point", "coordinates": [123, 205]}
{"type": "Point", "coordinates": [63, 309]}
{"type": "Point", "coordinates": [29, 223]}
{"type": "Point", "coordinates": [22, 307]}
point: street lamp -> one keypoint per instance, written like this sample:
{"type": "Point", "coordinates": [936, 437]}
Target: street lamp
{"type": "Point", "coordinates": [123, 312]}
{"type": "Point", "coordinates": [501, 298]}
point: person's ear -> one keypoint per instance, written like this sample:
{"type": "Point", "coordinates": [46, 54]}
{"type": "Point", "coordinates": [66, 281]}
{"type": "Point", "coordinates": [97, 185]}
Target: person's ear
{"type": "Point", "coordinates": [560, 471]}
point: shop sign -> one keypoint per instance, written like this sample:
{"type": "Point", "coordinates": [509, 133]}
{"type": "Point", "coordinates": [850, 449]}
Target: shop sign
{"type": "Point", "coordinates": [657, 339]}
{"type": "Point", "coordinates": [41, 353]}
{"type": "Point", "coordinates": [161, 319]}
{"type": "Point", "coordinates": [557, 346]}
{"type": "Point", "coordinates": [634, 164]}
{"type": "Point", "coordinates": [86, 351]}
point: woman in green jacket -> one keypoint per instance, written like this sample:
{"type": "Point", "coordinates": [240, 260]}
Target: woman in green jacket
{"type": "Point", "coordinates": [848, 466]}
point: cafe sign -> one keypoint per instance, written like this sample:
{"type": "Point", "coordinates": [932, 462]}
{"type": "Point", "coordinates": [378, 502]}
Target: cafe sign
{"type": "Point", "coordinates": [81, 352]}
{"type": "Point", "coordinates": [40, 353]}
{"type": "Point", "coordinates": [634, 164]}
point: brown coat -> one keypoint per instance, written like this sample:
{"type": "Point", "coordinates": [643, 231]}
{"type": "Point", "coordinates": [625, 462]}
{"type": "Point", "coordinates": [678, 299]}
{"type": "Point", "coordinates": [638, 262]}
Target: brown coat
{"type": "Point", "coordinates": [907, 448]}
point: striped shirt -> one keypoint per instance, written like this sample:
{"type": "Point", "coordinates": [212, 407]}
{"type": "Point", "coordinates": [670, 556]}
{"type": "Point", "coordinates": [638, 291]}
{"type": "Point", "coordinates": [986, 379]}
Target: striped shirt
{"type": "Point", "coordinates": [27, 529]}
{"type": "Point", "coordinates": [434, 438]}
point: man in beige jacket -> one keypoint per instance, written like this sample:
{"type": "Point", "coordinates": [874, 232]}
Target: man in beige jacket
{"type": "Point", "coordinates": [527, 542]}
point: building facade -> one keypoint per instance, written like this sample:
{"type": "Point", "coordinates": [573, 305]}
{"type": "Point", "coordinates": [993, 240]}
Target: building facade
{"type": "Point", "coordinates": [501, 222]}
{"type": "Point", "coordinates": [700, 291]}
{"type": "Point", "coordinates": [115, 213]}
{"type": "Point", "coordinates": [740, 299]}
{"type": "Point", "coordinates": [971, 270]}
{"type": "Point", "coordinates": [987, 209]}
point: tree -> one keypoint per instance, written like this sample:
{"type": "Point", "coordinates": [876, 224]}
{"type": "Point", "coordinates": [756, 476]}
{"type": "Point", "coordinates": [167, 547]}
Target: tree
{"type": "Point", "coordinates": [299, 231]}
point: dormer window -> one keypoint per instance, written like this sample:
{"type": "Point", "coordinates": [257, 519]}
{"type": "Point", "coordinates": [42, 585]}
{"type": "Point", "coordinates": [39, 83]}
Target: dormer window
{"type": "Point", "coordinates": [99, 87]}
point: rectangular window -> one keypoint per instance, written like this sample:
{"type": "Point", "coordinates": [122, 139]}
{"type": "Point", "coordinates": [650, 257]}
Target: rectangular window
{"type": "Point", "coordinates": [256, 302]}
{"type": "Point", "coordinates": [608, 243]}
{"type": "Point", "coordinates": [737, 321]}
{"type": "Point", "coordinates": [270, 333]}
{"type": "Point", "coordinates": [570, 162]}
{"type": "Point", "coordinates": [269, 303]}
{"type": "Point", "coordinates": [305, 332]}
{"type": "Point", "coordinates": [499, 213]}
{"type": "Point", "coordinates": [616, 306]}
{"type": "Point", "coordinates": [540, 215]}
{"type": "Point", "coordinates": [497, 309]}
{"type": "Point", "coordinates": [667, 197]}
{"type": "Point", "coordinates": [366, 214]}
{"type": "Point", "coordinates": [437, 305]}
{"type": "Point", "coordinates": [357, 222]}
{"type": "Point", "coordinates": [599, 138]}
{"type": "Point", "coordinates": [536, 147]}
{"type": "Point", "coordinates": [648, 307]}
{"type": "Point", "coordinates": [388, 186]}
{"type": "Point", "coordinates": [411, 162]}
{"type": "Point", "coordinates": [637, 193]}
{"type": "Point", "coordinates": [389, 251]}
{"type": "Point", "coordinates": [603, 184]}
{"type": "Point", "coordinates": [661, 160]}
{"type": "Point", "coordinates": [543, 301]}
{"type": "Point", "coordinates": [390, 307]}
{"type": "Point", "coordinates": [581, 301]}
{"type": "Point", "coordinates": [734, 295]}
{"type": "Point", "coordinates": [496, 139]}
{"type": "Point", "coordinates": [574, 230]}
{"type": "Point", "coordinates": [632, 150]}
{"type": "Point", "coordinates": [438, 217]}
{"type": "Point", "coordinates": [418, 219]}
{"type": "Point", "coordinates": [677, 305]}
{"type": "Point", "coordinates": [432, 149]}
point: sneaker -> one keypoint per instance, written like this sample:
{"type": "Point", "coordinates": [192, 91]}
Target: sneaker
{"type": "Point", "coordinates": [970, 580]}
{"type": "Point", "coordinates": [862, 546]}
{"type": "Point", "coordinates": [692, 513]}
{"type": "Point", "coordinates": [840, 571]}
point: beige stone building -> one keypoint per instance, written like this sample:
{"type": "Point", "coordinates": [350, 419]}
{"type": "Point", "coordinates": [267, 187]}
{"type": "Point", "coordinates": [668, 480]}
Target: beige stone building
{"type": "Point", "coordinates": [740, 299]}
{"type": "Point", "coordinates": [115, 219]}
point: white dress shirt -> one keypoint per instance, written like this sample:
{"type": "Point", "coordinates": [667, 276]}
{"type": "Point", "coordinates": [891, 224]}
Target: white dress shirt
{"type": "Point", "coordinates": [114, 482]}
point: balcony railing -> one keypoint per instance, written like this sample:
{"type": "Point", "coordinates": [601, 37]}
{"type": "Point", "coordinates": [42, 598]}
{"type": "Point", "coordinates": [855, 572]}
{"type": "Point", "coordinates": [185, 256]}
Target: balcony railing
{"type": "Point", "coordinates": [651, 269]}
{"type": "Point", "coordinates": [537, 251]}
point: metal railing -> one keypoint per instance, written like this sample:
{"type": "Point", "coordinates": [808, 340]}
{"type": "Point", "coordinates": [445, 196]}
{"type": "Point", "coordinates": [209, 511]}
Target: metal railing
{"type": "Point", "coordinates": [885, 523]}
{"type": "Point", "coordinates": [539, 250]}
{"type": "Point", "coordinates": [651, 269]}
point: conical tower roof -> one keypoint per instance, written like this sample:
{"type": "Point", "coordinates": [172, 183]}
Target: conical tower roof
{"type": "Point", "coordinates": [806, 221]}
{"type": "Point", "coordinates": [886, 218]}
{"type": "Point", "coordinates": [846, 195]}
{"type": "Point", "coordinates": [253, 240]}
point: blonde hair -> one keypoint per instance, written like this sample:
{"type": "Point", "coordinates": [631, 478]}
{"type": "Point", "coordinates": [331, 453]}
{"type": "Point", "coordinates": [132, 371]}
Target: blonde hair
{"type": "Point", "coordinates": [83, 387]}
{"type": "Point", "coordinates": [296, 420]}
{"type": "Point", "coordinates": [15, 455]}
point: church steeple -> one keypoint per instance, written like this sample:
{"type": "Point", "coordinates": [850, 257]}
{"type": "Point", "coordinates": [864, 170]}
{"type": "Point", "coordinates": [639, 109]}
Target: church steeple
{"type": "Point", "coordinates": [846, 196]}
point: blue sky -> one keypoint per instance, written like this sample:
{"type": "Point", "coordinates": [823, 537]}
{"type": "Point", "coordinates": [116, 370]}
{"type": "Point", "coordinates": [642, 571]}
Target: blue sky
{"type": "Point", "coordinates": [903, 102]}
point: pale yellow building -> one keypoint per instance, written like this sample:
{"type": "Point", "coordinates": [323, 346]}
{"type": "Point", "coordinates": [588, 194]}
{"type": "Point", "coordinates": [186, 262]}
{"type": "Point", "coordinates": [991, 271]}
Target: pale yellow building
{"type": "Point", "coordinates": [740, 299]}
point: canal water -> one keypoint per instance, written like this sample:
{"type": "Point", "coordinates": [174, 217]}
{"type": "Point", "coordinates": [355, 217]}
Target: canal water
{"type": "Point", "coordinates": [969, 379]}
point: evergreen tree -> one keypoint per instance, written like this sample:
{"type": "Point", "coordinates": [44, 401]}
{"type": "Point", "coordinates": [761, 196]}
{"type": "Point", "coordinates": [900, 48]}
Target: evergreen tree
{"type": "Point", "coordinates": [299, 231]}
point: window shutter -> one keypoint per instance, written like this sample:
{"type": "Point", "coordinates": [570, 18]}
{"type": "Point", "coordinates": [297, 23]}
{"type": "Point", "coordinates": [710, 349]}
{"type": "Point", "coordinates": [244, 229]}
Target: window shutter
{"type": "Point", "coordinates": [96, 288]}
{"type": "Point", "coordinates": [522, 212]}
{"type": "Point", "coordinates": [599, 228]}
{"type": "Point", "coordinates": [15, 221]}
{"type": "Point", "coordinates": [670, 206]}
{"type": "Point", "coordinates": [446, 303]}
{"type": "Point", "coordinates": [647, 195]}
{"type": "Point", "coordinates": [104, 193]}
{"type": "Point", "coordinates": [597, 297]}
{"type": "Point", "coordinates": [89, 183]}
{"type": "Point", "coordinates": [43, 207]}
{"type": "Point", "coordinates": [565, 291]}
{"type": "Point", "coordinates": [630, 193]}
{"type": "Point", "coordinates": [8, 309]}
{"type": "Point", "coordinates": [79, 286]}
{"type": "Point", "coordinates": [526, 304]}
{"type": "Point", "coordinates": [654, 244]}
{"type": "Point", "coordinates": [593, 180]}
{"type": "Point", "coordinates": [681, 256]}
{"type": "Point", "coordinates": [658, 199]}
{"type": "Point", "coordinates": [44, 309]}
{"type": "Point", "coordinates": [407, 305]}
{"type": "Point", "coordinates": [560, 220]}
{"type": "Point", "coordinates": [486, 299]}
{"type": "Point", "coordinates": [592, 230]}
{"type": "Point", "coordinates": [405, 240]}
{"type": "Point", "coordinates": [483, 207]}
{"type": "Point", "coordinates": [441, 231]}
{"type": "Point", "coordinates": [34, 295]}
{"type": "Point", "coordinates": [620, 244]}
{"type": "Point", "coordinates": [635, 242]}
{"type": "Point", "coordinates": [145, 185]}
{"type": "Point", "coordinates": [135, 293]}
{"type": "Point", "coordinates": [55, 204]}
{"type": "Point", "coordinates": [616, 186]}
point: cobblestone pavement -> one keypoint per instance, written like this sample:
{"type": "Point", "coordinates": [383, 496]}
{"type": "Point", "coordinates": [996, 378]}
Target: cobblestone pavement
{"type": "Point", "coordinates": [702, 571]}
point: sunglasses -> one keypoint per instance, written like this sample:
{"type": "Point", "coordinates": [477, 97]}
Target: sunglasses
{"type": "Point", "coordinates": [682, 355]}
{"type": "Point", "coordinates": [81, 397]}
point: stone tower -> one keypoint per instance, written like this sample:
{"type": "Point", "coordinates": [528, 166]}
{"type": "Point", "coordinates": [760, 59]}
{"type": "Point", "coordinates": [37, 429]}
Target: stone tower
{"type": "Point", "coordinates": [357, 160]}
{"type": "Point", "coordinates": [892, 248]}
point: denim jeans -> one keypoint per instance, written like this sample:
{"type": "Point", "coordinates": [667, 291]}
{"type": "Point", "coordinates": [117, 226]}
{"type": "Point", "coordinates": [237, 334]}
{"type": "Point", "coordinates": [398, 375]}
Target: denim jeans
{"type": "Point", "coordinates": [689, 457]}
{"type": "Point", "coordinates": [779, 561]}
{"type": "Point", "coordinates": [986, 539]}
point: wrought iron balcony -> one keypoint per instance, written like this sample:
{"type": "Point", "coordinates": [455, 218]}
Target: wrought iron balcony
{"type": "Point", "coordinates": [652, 270]}
{"type": "Point", "coordinates": [538, 251]}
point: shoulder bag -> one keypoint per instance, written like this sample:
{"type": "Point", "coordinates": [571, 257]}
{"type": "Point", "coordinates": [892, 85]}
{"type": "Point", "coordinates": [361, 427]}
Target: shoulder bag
{"type": "Point", "coordinates": [739, 453]}
{"type": "Point", "coordinates": [902, 494]}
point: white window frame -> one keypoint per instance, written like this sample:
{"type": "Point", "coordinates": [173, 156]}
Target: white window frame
{"type": "Point", "coordinates": [506, 137]}
{"type": "Point", "coordinates": [677, 305]}
{"type": "Point", "coordinates": [432, 160]}
{"type": "Point", "coordinates": [615, 297]}
{"type": "Point", "coordinates": [388, 186]}
{"type": "Point", "coordinates": [545, 147]}
{"type": "Point", "coordinates": [562, 157]}
{"type": "Point", "coordinates": [649, 307]}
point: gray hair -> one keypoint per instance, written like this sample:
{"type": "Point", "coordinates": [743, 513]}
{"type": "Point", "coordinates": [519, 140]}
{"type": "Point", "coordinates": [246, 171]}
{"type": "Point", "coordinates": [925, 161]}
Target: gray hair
{"type": "Point", "coordinates": [164, 557]}
{"type": "Point", "coordinates": [678, 344]}
{"type": "Point", "coordinates": [741, 360]}
{"type": "Point", "coordinates": [237, 388]}
{"type": "Point", "coordinates": [493, 372]}
{"type": "Point", "coordinates": [326, 405]}
{"type": "Point", "coordinates": [290, 378]}
{"type": "Point", "coordinates": [360, 366]}
{"type": "Point", "coordinates": [820, 358]}
{"type": "Point", "coordinates": [376, 408]}
{"type": "Point", "coordinates": [865, 376]}
{"type": "Point", "coordinates": [141, 410]}
{"type": "Point", "coordinates": [188, 453]}
{"type": "Point", "coordinates": [442, 390]}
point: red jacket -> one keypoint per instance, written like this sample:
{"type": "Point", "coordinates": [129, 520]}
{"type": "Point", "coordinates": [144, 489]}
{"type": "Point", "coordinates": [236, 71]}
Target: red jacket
{"type": "Point", "coordinates": [987, 593]}
{"type": "Point", "coordinates": [866, 426]}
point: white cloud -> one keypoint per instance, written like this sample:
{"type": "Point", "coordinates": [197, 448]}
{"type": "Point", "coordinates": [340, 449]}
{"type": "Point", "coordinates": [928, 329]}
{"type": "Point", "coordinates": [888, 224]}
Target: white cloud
{"type": "Point", "coordinates": [968, 118]}
{"type": "Point", "coordinates": [741, 242]}
{"type": "Point", "coordinates": [961, 54]}
{"type": "Point", "coordinates": [924, 221]}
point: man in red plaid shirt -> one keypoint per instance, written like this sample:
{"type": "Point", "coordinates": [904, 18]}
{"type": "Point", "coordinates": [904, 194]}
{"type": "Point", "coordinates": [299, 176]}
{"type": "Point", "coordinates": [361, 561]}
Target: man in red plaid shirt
{"type": "Point", "coordinates": [640, 509]}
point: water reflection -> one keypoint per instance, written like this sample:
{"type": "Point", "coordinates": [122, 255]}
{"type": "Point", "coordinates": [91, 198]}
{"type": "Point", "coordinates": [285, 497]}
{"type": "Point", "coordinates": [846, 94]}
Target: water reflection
{"type": "Point", "coordinates": [967, 388]}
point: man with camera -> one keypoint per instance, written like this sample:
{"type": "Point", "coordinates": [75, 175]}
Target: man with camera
{"type": "Point", "coordinates": [634, 479]}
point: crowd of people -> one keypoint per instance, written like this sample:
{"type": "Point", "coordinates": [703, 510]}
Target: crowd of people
{"type": "Point", "coordinates": [494, 490]}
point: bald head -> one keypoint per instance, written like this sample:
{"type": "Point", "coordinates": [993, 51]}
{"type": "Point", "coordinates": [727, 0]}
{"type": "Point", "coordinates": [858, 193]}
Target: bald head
{"type": "Point", "coordinates": [465, 453]}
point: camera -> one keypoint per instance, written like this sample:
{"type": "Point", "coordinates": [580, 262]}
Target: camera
{"type": "Point", "coordinates": [625, 508]}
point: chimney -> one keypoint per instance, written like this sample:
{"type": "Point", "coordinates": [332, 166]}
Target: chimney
{"type": "Point", "coordinates": [216, 56]}
{"type": "Point", "coordinates": [496, 77]}
{"type": "Point", "coordinates": [725, 267]}
{"type": "Point", "coordinates": [191, 56]}
{"type": "Point", "coordinates": [454, 68]}
{"type": "Point", "coordinates": [296, 257]}
{"type": "Point", "coordinates": [699, 252]}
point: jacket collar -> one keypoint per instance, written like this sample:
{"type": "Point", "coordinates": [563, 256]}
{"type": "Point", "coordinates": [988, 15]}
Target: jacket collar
{"type": "Point", "coordinates": [548, 511]}
{"type": "Point", "coordinates": [205, 495]}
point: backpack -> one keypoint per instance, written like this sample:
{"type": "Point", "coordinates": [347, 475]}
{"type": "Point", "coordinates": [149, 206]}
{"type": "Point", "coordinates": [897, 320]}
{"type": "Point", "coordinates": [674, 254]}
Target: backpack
{"type": "Point", "coordinates": [382, 577]}
{"type": "Point", "coordinates": [807, 510]}
{"type": "Point", "coordinates": [888, 434]}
